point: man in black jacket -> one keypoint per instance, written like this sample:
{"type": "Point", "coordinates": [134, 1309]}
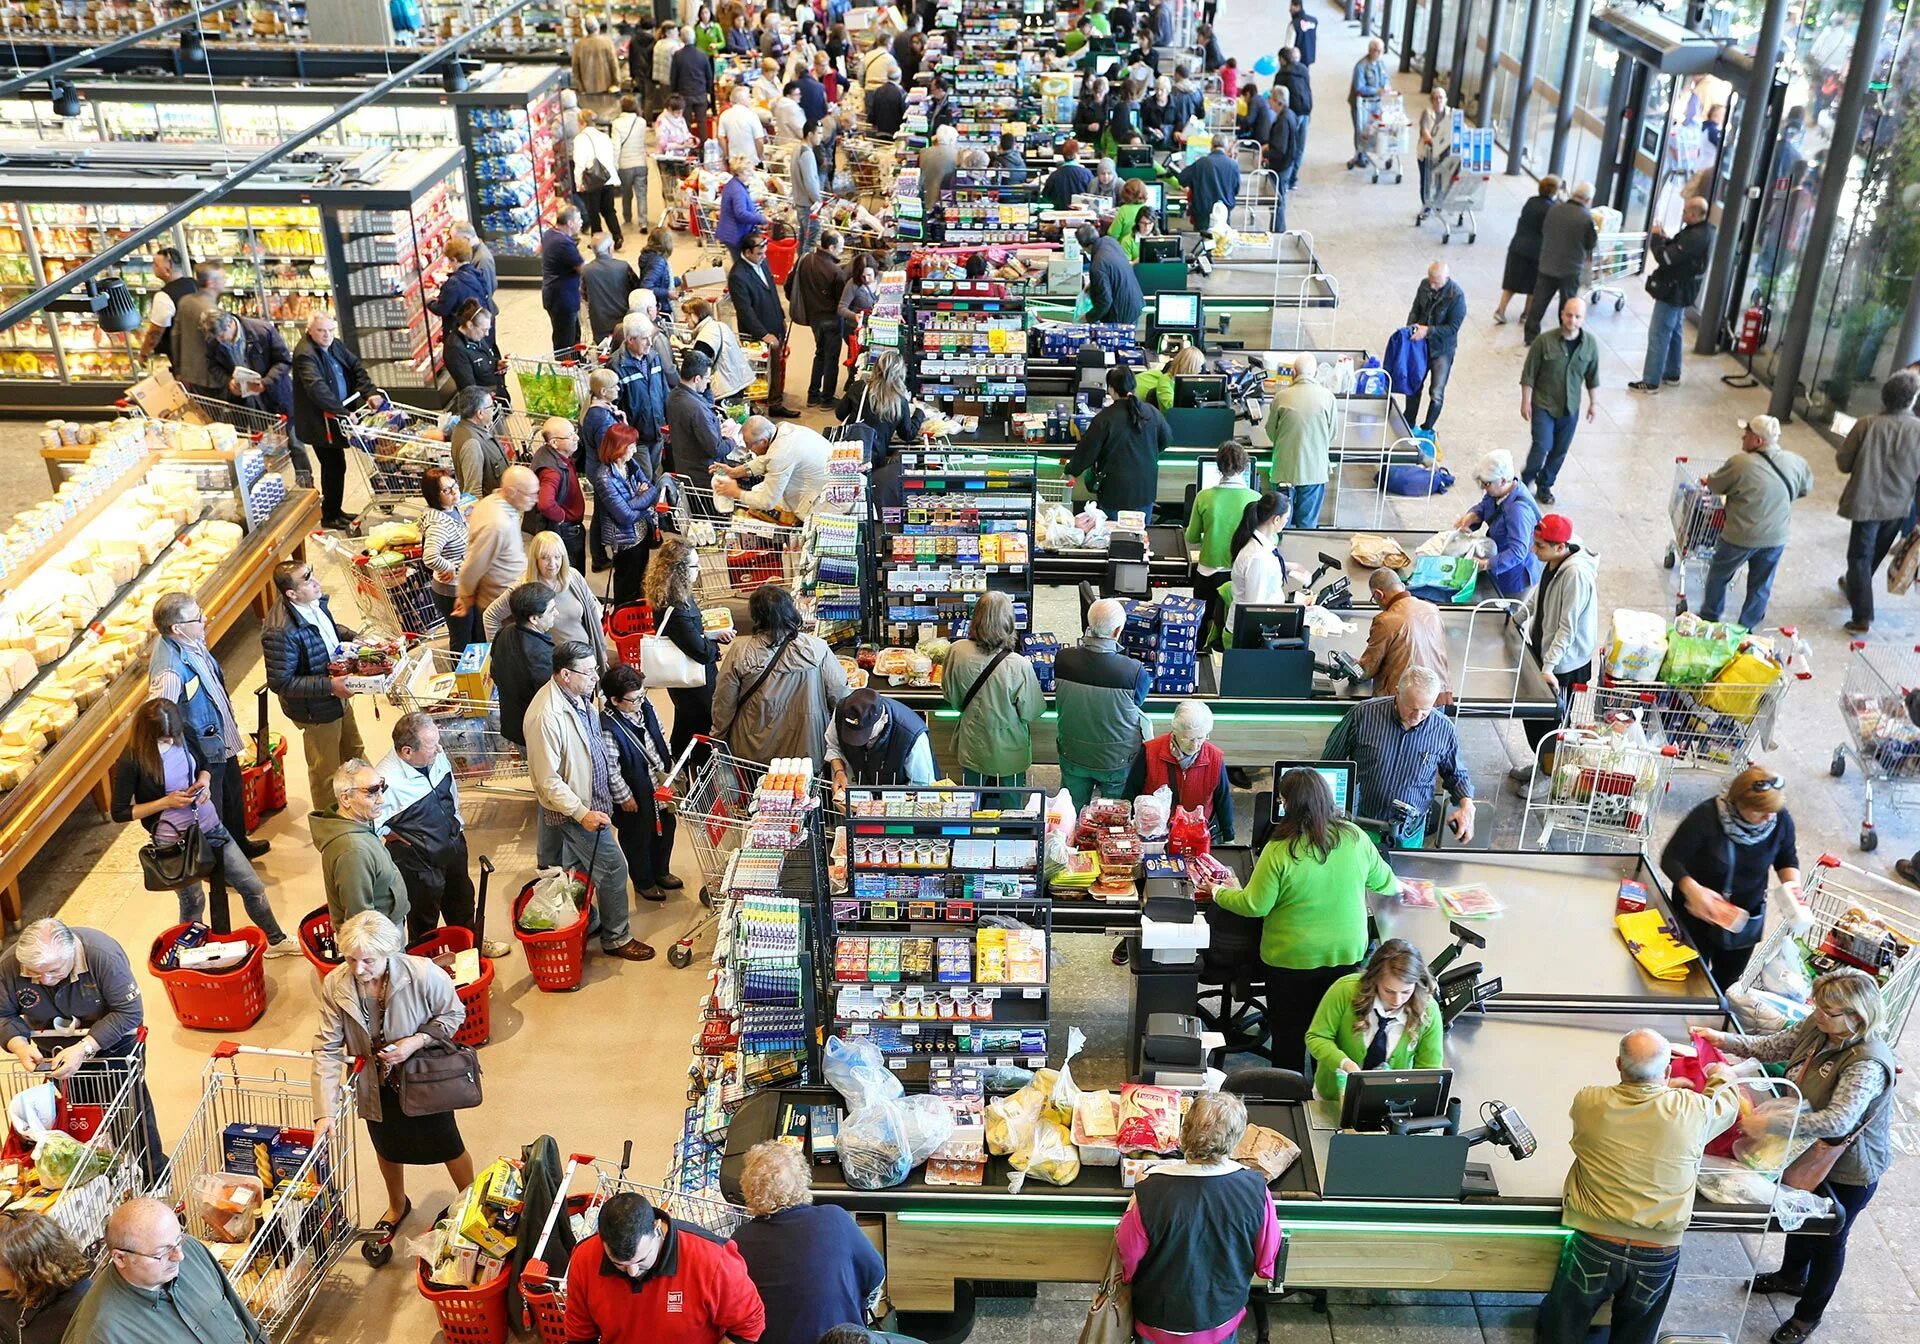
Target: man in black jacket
{"type": "Point", "coordinates": [522, 656]}
{"type": "Point", "coordinates": [887, 107]}
{"type": "Point", "coordinates": [1296, 77]}
{"type": "Point", "coordinates": [296, 643]}
{"type": "Point", "coordinates": [690, 74]}
{"type": "Point", "coordinates": [756, 307]}
{"type": "Point", "coordinates": [813, 292]}
{"type": "Point", "coordinates": [1283, 148]}
{"type": "Point", "coordinates": [1439, 307]}
{"type": "Point", "coordinates": [1113, 291]}
{"type": "Point", "coordinates": [1682, 261]}
{"type": "Point", "coordinates": [695, 444]}
{"type": "Point", "coordinates": [329, 383]}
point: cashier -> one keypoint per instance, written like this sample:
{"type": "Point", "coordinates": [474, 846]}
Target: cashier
{"type": "Point", "coordinates": [1383, 1016]}
{"type": "Point", "coordinates": [874, 739]}
{"type": "Point", "coordinates": [1721, 860]}
{"type": "Point", "coordinates": [1184, 761]}
{"type": "Point", "coordinates": [1401, 749]}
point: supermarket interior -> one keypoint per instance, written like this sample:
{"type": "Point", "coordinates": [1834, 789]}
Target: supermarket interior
{"type": "Point", "coordinates": [1115, 537]}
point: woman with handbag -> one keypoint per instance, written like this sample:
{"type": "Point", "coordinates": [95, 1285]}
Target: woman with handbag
{"type": "Point", "coordinates": [624, 510]}
{"type": "Point", "coordinates": [575, 613]}
{"type": "Point", "coordinates": [1722, 858]}
{"type": "Point", "coordinates": [443, 545]}
{"type": "Point", "coordinates": [398, 1013]}
{"type": "Point", "coordinates": [1198, 1231]}
{"type": "Point", "coordinates": [1841, 1061]}
{"type": "Point", "coordinates": [998, 696]}
{"type": "Point", "coordinates": [670, 578]}
{"type": "Point", "coordinates": [160, 784]}
{"type": "Point", "coordinates": [777, 688]}
{"type": "Point", "coordinates": [635, 743]}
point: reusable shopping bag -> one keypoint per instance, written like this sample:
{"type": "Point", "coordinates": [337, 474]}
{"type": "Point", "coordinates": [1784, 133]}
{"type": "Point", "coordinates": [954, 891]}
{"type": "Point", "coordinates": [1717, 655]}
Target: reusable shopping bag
{"type": "Point", "coordinates": [1654, 944]}
{"type": "Point", "coordinates": [1443, 578]}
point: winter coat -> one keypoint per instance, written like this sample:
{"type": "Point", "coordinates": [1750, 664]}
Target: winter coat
{"type": "Point", "coordinates": [356, 869]}
{"type": "Point", "coordinates": [296, 659]}
{"type": "Point", "coordinates": [789, 713]}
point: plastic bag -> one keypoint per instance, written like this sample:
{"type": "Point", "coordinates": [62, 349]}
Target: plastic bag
{"type": "Point", "coordinates": [883, 1137]}
{"type": "Point", "coordinates": [35, 1110]}
{"type": "Point", "coordinates": [1010, 1120]}
{"type": "Point", "coordinates": [1149, 1118]}
{"type": "Point", "coordinates": [1189, 832]}
{"type": "Point", "coordinates": [875, 1151]}
{"type": "Point", "coordinates": [927, 1122]}
{"type": "Point", "coordinates": [1151, 812]}
{"type": "Point", "coordinates": [62, 1162]}
{"type": "Point", "coordinates": [1048, 1156]}
{"type": "Point", "coordinates": [1638, 647]}
{"type": "Point", "coordinates": [859, 1073]}
{"type": "Point", "coordinates": [1065, 1094]}
{"type": "Point", "coordinates": [554, 903]}
{"type": "Point", "coordinates": [228, 1204]}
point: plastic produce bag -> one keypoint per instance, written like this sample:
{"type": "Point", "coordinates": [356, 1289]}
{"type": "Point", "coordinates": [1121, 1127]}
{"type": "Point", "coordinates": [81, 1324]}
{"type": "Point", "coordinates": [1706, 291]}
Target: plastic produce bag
{"type": "Point", "coordinates": [62, 1162]}
{"type": "Point", "coordinates": [1048, 1156]}
{"type": "Point", "coordinates": [859, 1073]}
{"type": "Point", "coordinates": [883, 1137]}
{"type": "Point", "coordinates": [228, 1204]}
{"type": "Point", "coordinates": [35, 1110]}
{"type": "Point", "coordinates": [549, 391]}
{"type": "Point", "coordinates": [555, 902]}
{"type": "Point", "coordinates": [1065, 1094]}
{"type": "Point", "coordinates": [1010, 1120]}
{"type": "Point", "coordinates": [1151, 812]}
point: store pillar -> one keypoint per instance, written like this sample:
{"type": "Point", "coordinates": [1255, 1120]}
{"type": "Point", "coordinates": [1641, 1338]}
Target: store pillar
{"type": "Point", "coordinates": [1577, 48]}
{"type": "Point", "coordinates": [1826, 209]}
{"type": "Point", "coordinates": [1429, 63]}
{"type": "Point", "coordinates": [1407, 35]}
{"type": "Point", "coordinates": [1490, 64]}
{"type": "Point", "coordinates": [1743, 196]}
{"type": "Point", "coordinates": [1523, 90]}
{"type": "Point", "coordinates": [1457, 75]}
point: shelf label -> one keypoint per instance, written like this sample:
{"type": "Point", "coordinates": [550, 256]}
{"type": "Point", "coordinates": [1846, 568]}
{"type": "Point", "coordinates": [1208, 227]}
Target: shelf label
{"type": "Point", "coordinates": [910, 1029]}
{"type": "Point", "coordinates": [989, 993]}
{"type": "Point", "coordinates": [914, 991]}
{"type": "Point", "coordinates": [898, 1065]}
{"type": "Point", "coordinates": [1030, 993]}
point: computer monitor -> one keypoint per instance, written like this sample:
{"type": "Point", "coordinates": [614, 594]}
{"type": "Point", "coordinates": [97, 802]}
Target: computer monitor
{"type": "Point", "coordinates": [1158, 248]}
{"type": "Point", "coordinates": [1199, 389]}
{"type": "Point", "coordinates": [1133, 156]}
{"type": "Point", "coordinates": [1156, 197]}
{"type": "Point", "coordinates": [1338, 774]}
{"type": "Point", "coordinates": [1377, 1097]}
{"type": "Point", "coordinates": [1176, 311]}
{"type": "Point", "coordinates": [1210, 477]}
{"type": "Point", "coordinates": [1278, 626]}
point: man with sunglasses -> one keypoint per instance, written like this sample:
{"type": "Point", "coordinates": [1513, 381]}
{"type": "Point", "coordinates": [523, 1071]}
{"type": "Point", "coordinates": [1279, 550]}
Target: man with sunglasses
{"type": "Point", "coordinates": [296, 643]}
{"type": "Point", "coordinates": [160, 1286]}
{"type": "Point", "coordinates": [355, 868]}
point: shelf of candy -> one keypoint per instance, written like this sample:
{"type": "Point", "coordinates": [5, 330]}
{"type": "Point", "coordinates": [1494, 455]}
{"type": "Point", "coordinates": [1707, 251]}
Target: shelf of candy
{"type": "Point", "coordinates": [964, 529]}
{"type": "Point", "coordinates": [969, 341]}
{"type": "Point", "coordinates": [883, 326]}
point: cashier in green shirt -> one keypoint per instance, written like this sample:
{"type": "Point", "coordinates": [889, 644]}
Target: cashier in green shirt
{"type": "Point", "coordinates": [1382, 1017]}
{"type": "Point", "coordinates": [1310, 890]}
{"type": "Point", "coordinates": [1215, 517]}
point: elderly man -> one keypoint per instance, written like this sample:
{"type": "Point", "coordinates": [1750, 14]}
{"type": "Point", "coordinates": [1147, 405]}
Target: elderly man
{"type": "Point", "coordinates": [1880, 458]}
{"type": "Point", "coordinates": [1099, 692]}
{"type": "Point", "coordinates": [1283, 145]}
{"type": "Point", "coordinates": [297, 641]}
{"type": "Point", "coordinates": [607, 282]}
{"type": "Point", "coordinates": [1637, 1146]}
{"type": "Point", "coordinates": [646, 381]}
{"type": "Point", "coordinates": [1184, 761]}
{"type": "Point", "coordinates": [740, 133]}
{"type": "Point", "coordinates": [690, 74]}
{"type": "Point", "coordinates": [886, 105]}
{"type": "Point", "coordinates": [572, 772]}
{"type": "Point", "coordinates": [1558, 365]}
{"type": "Point", "coordinates": [1759, 484]}
{"type": "Point", "coordinates": [189, 351]}
{"type": "Point", "coordinates": [1682, 261]}
{"type": "Point", "coordinates": [874, 739]}
{"type": "Point", "coordinates": [1369, 81]}
{"type": "Point", "coordinates": [160, 1285]}
{"type": "Point", "coordinates": [937, 163]}
{"type": "Point", "coordinates": [181, 668]}
{"type": "Point", "coordinates": [329, 384]}
{"type": "Point", "coordinates": [1213, 178]}
{"type": "Point", "coordinates": [419, 818]}
{"type": "Point", "coordinates": [1439, 307]}
{"type": "Point", "coordinates": [496, 556]}
{"type": "Point", "coordinates": [790, 462]}
{"type": "Point", "coordinates": [1300, 426]}
{"type": "Point", "coordinates": [1561, 617]}
{"type": "Point", "coordinates": [479, 458]}
{"type": "Point", "coordinates": [1400, 748]}
{"type": "Point", "coordinates": [596, 64]}
{"type": "Point", "coordinates": [1113, 289]}
{"type": "Point", "coordinates": [355, 868]}
{"type": "Point", "coordinates": [1405, 634]}
{"type": "Point", "coordinates": [1567, 236]}
{"type": "Point", "coordinates": [249, 360]}
{"type": "Point", "coordinates": [561, 266]}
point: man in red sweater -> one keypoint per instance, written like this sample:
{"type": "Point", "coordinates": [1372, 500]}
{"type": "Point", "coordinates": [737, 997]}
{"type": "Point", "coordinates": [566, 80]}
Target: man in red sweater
{"type": "Point", "coordinates": [645, 1278]}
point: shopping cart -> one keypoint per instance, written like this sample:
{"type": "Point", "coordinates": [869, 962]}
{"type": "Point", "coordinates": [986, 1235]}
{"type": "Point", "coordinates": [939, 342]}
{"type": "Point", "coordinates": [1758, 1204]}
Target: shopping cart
{"type": "Point", "coordinates": [1388, 137]}
{"type": "Point", "coordinates": [313, 1214]}
{"type": "Point", "coordinates": [462, 704]}
{"type": "Point", "coordinates": [1714, 726]}
{"type": "Point", "coordinates": [545, 1289]}
{"type": "Point", "coordinates": [265, 430]}
{"type": "Point", "coordinates": [391, 588]}
{"type": "Point", "coordinates": [1697, 516]}
{"type": "Point", "coordinates": [1858, 919]}
{"type": "Point", "coordinates": [740, 551]}
{"type": "Point", "coordinates": [1456, 193]}
{"type": "Point", "coordinates": [1603, 785]}
{"type": "Point", "coordinates": [1883, 739]}
{"type": "Point", "coordinates": [103, 1107]}
{"type": "Point", "coordinates": [556, 384]}
{"type": "Point", "coordinates": [1616, 255]}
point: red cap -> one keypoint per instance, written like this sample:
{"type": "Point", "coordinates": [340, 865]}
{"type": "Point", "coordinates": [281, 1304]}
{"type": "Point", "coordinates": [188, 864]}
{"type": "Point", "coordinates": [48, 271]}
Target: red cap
{"type": "Point", "coordinates": [1555, 529]}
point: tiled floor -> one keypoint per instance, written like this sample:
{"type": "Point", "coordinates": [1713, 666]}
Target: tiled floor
{"type": "Point", "coordinates": [605, 1065]}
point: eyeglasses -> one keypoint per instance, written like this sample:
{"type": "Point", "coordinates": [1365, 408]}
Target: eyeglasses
{"type": "Point", "coordinates": [373, 790]}
{"type": "Point", "coordinates": [1771, 784]}
{"type": "Point", "coordinates": [164, 1254]}
{"type": "Point", "coordinates": [635, 698]}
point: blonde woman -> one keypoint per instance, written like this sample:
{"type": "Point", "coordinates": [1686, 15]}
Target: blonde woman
{"type": "Point", "coordinates": [997, 694]}
{"type": "Point", "coordinates": [669, 588]}
{"type": "Point", "coordinates": [575, 611]}
{"type": "Point", "coordinates": [1380, 1017]}
{"type": "Point", "coordinates": [1198, 1230]}
{"type": "Point", "coordinates": [812, 1260]}
{"type": "Point", "coordinates": [881, 405]}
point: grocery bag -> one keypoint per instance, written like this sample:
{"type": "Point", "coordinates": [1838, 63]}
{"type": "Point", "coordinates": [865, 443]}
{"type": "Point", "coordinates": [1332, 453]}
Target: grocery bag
{"type": "Point", "coordinates": [550, 390]}
{"type": "Point", "coordinates": [1738, 690]}
{"type": "Point", "coordinates": [1638, 648]}
{"type": "Point", "coordinates": [1443, 578]}
{"type": "Point", "coordinates": [1695, 660]}
{"type": "Point", "coordinates": [1655, 945]}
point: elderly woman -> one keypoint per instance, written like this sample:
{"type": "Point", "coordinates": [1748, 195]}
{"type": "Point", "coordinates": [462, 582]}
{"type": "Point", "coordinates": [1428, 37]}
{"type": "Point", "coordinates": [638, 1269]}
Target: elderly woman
{"type": "Point", "coordinates": [43, 1276]}
{"type": "Point", "coordinates": [479, 458]}
{"type": "Point", "coordinates": [1183, 760]}
{"type": "Point", "coordinates": [1509, 514]}
{"type": "Point", "coordinates": [810, 1260]}
{"type": "Point", "coordinates": [1198, 1231]}
{"type": "Point", "coordinates": [777, 688]}
{"type": "Point", "coordinates": [1381, 1017]}
{"type": "Point", "coordinates": [1436, 143]}
{"type": "Point", "coordinates": [998, 695]}
{"type": "Point", "coordinates": [739, 216]}
{"type": "Point", "coordinates": [1841, 1061]}
{"type": "Point", "coordinates": [473, 355]}
{"type": "Point", "coordinates": [576, 611]}
{"type": "Point", "coordinates": [443, 545]}
{"type": "Point", "coordinates": [238, 347]}
{"type": "Point", "coordinates": [1722, 859]}
{"type": "Point", "coordinates": [637, 748]}
{"type": "Point", "coordinates": [383, 1006]}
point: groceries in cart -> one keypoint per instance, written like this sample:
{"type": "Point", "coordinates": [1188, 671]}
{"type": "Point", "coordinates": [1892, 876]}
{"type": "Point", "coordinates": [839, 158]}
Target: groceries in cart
{"type": "Point", "coordinates": [1883, 724]}
{"type": "Point", "coordinates": [555, 901]}
{"type": "Point", "coordinates": [369, 666]}
{"type": "Point", "coordinates": [474, 1241]}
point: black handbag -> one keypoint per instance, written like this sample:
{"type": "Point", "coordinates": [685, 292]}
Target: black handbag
{"type": "Point", "coordinates": [171, 865]}
{"type": "Point", "coordinates": [440, 1076]}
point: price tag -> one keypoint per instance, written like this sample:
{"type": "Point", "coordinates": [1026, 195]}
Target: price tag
{"type": "Point", "coordinates": [913, 992]}
{"type": "Point", "coordinates": [910, 1029]}
{"type": "Point", "coordinates": [990, 993]}
{"type": "Point", "coordinates": [857, 1029]}
{"type": "Point", "coordinates": [1031, 993]}
{"type": "Point", "coordinates": [897, 1065]}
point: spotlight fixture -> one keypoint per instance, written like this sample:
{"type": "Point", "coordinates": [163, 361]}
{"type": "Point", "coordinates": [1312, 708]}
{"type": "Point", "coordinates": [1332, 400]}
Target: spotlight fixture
{"type": "Point", "coordinates": [113, 305]}
{"type": "Point", "coordinates": [66, 98]}
{"type": "Point", "coordinates": [453, 76]}
{"type": "Point", "coordinates": [193, 47]}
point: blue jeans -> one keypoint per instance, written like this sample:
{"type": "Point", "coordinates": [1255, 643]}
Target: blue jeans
{"type": "Point", "coordinates": [596, 853]}
{"type": "Point", "coordinates": [1727, 559]}
{"type": "Point", "coordinates": [1080, 784]}
{"type": "Point", "coordinates": [973, 779]}
{"type": "Point", "coordinates": [1867, 545]}
{"type": "Point", "coordinates": [1293, 174]}
{"type": "Point", "coordinates": [241, 878]}
{"type": "Point", "coordinates": [1664, 338]}
{"type": "Point", "coordinates": [1306, 504]}
{"type": "Point", "coordinates": [1552, 436]}
{"type": "Point", "coordinates": [1638, 1280]}
{"type": "Point", "coordinates": [1439, 369]}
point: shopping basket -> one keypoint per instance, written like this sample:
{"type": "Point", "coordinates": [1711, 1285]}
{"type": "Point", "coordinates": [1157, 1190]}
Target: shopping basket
{"type": "Point", "coordinates": [264, 784]}
{"type": "Point", "coordinates": [476, 998]}
{"type": "Point", "coordinates": [626, 627]}
{"type": "Point", "coordinates": [316, 941]}
{"type": "Point", "coordinates": [556, 957]}
{"type": "Point", "coordinates": [469, 1315]}
{"type": "Point", "coordinates": [229, 1000]}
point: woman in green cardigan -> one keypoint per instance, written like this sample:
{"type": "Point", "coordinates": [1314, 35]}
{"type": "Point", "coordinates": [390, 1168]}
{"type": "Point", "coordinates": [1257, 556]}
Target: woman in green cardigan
{"type": "Point", "coordinates": [1126, 217]}
{"type": "Point", "coordinates": [1210, 529]}
{"type": "Point", "coordinates": [1310, 887]}
{"type": "Point", "coordinates": [1383, 1017]}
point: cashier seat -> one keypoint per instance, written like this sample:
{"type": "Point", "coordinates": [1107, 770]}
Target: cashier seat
{"type": "Point", "coordinates": [1230, 982]}
{"type": "Point", "coordinates": [1272, 1085]}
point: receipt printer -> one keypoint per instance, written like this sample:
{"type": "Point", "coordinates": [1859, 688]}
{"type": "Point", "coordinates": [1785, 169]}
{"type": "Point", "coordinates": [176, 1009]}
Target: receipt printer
{"type": "Point", "coordinates": [1173, 1039]}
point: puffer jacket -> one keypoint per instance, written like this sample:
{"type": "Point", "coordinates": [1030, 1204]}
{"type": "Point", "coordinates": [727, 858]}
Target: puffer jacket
{"type": "Point", "coordinates": [623, 505]}
{"type": "Point", "coordinates": [296, 658]}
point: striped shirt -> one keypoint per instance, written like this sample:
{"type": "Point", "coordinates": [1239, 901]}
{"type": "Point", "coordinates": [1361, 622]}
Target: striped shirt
{"type": "Point", "coordinates": [1396, 762]}
{"type": "Point", "coordinates": [443, 538]}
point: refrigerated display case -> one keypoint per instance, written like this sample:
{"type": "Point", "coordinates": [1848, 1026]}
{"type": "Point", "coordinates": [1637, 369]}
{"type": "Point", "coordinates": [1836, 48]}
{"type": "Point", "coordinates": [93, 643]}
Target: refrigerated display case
{"type": "Point", "coordinates": [365, 247]}
{"type": "Point", "coordinates": [511, 137]}
{"type": "Point", "coordinates": [265, 19]}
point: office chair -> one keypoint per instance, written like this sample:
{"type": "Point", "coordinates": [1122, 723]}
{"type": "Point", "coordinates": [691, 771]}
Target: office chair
{"type": "Point", "coordinates": [1230, 981]}
{"type": "Point", "coordinates": [1273, 1085]}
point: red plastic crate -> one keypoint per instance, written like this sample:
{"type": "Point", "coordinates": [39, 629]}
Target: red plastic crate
{"type": "Point", "coordinates": [469, 1315]}
{"type": "Point", "coordinates": [231, 1000]}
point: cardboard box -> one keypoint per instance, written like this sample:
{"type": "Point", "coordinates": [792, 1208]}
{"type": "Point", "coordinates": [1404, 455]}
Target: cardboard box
{"type": "Point", "coordinates": [473, 674]}
{"type": "Point", "coordinates": [247, 1150]}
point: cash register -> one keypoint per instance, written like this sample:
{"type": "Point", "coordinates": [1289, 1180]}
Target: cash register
{"type": "Point", "coordinates": [1271, 657]}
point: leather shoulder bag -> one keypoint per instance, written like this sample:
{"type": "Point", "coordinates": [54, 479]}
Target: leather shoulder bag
{"type": "Point", "coordinates": [168, 865]}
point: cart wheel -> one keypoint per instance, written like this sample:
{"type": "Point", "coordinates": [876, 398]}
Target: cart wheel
{"type": "Point", "coordinates": [706, 897]}
{"type": "Point", "coordinates": [377, 1252]}
{"type": "Point", "coordinates": [1838, 765]}
{"type": "Point", "coordinates": [680, 955]}
{"type": "Point", "coordinates": [1618, 304]}
{"type": "Point", "coordinates": [1869, 839]}
{"type": "Point", "coordinates": [1376, 179]}
{"type": "Point", "coordinates": [1670, 558]}
{"type": "Point", "coordinates": [1473, 238]}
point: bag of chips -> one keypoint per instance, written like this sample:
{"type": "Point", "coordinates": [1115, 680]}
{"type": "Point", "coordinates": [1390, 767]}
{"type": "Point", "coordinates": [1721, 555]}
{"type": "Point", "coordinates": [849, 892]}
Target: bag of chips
{"type": "Point", "coordinates": [1149, 1118]}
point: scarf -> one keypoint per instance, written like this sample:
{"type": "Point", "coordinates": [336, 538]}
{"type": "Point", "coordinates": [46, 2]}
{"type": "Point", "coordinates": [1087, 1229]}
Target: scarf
{"type": "Point", "coordinates": [1737, 828]}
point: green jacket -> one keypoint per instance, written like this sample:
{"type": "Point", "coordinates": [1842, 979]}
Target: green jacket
{"type": "Point", "coordinates": [1315, 913]}
{"type": "Point", "coordinates": [996, 730]}
{"type": "Point", "coordinates": [1154, 386]}
{"type": "Point", "coordinates": [1300, 426]}
{"type": "Point", "coordinates": [355, 869]}
{"type": "Point", "coordinates": [1122, 229]}
{"type": "Point", "coordinates": [1556, 376]}
{"type": "Point", "coordinates": [1333, 1038]}
{"type": "Point", "coordinates": [1216, 513]}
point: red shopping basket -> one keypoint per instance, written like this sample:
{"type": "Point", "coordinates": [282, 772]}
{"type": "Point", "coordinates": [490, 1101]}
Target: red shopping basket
{"type": "Point", "coordinates": [476, 997]}
{"type": "Point", "coordinates": [316, 926]}
{"type": "Point", "coordinates": [469, 1315]}
{"type": "Point", "coordinates": [230, 1000]}
{"type": "Point", "coordinates": [627, 625]}
{"type": "Point", "coordinates": [555, 956]}
{"type": "Point", "coordinates": [264, 785]}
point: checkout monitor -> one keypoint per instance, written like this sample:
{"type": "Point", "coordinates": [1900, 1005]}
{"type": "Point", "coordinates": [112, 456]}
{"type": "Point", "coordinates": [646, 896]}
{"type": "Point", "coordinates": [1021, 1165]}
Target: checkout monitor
{"type": "Point", "coordinates": [1210, 477]}
{"type": "Point", "coordinates": [1256, 627]}
{"type": "Point", "coordinates": [1134, 156]}
{"type": "Point", "coordinates": [1156, 198]}
{"type": "Point", "coordinates": [1158, 248]}
{"type": "Point", "coordinates": [1375, 1097]}
{"type": "Point", "coordinates": [1338, 774]}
